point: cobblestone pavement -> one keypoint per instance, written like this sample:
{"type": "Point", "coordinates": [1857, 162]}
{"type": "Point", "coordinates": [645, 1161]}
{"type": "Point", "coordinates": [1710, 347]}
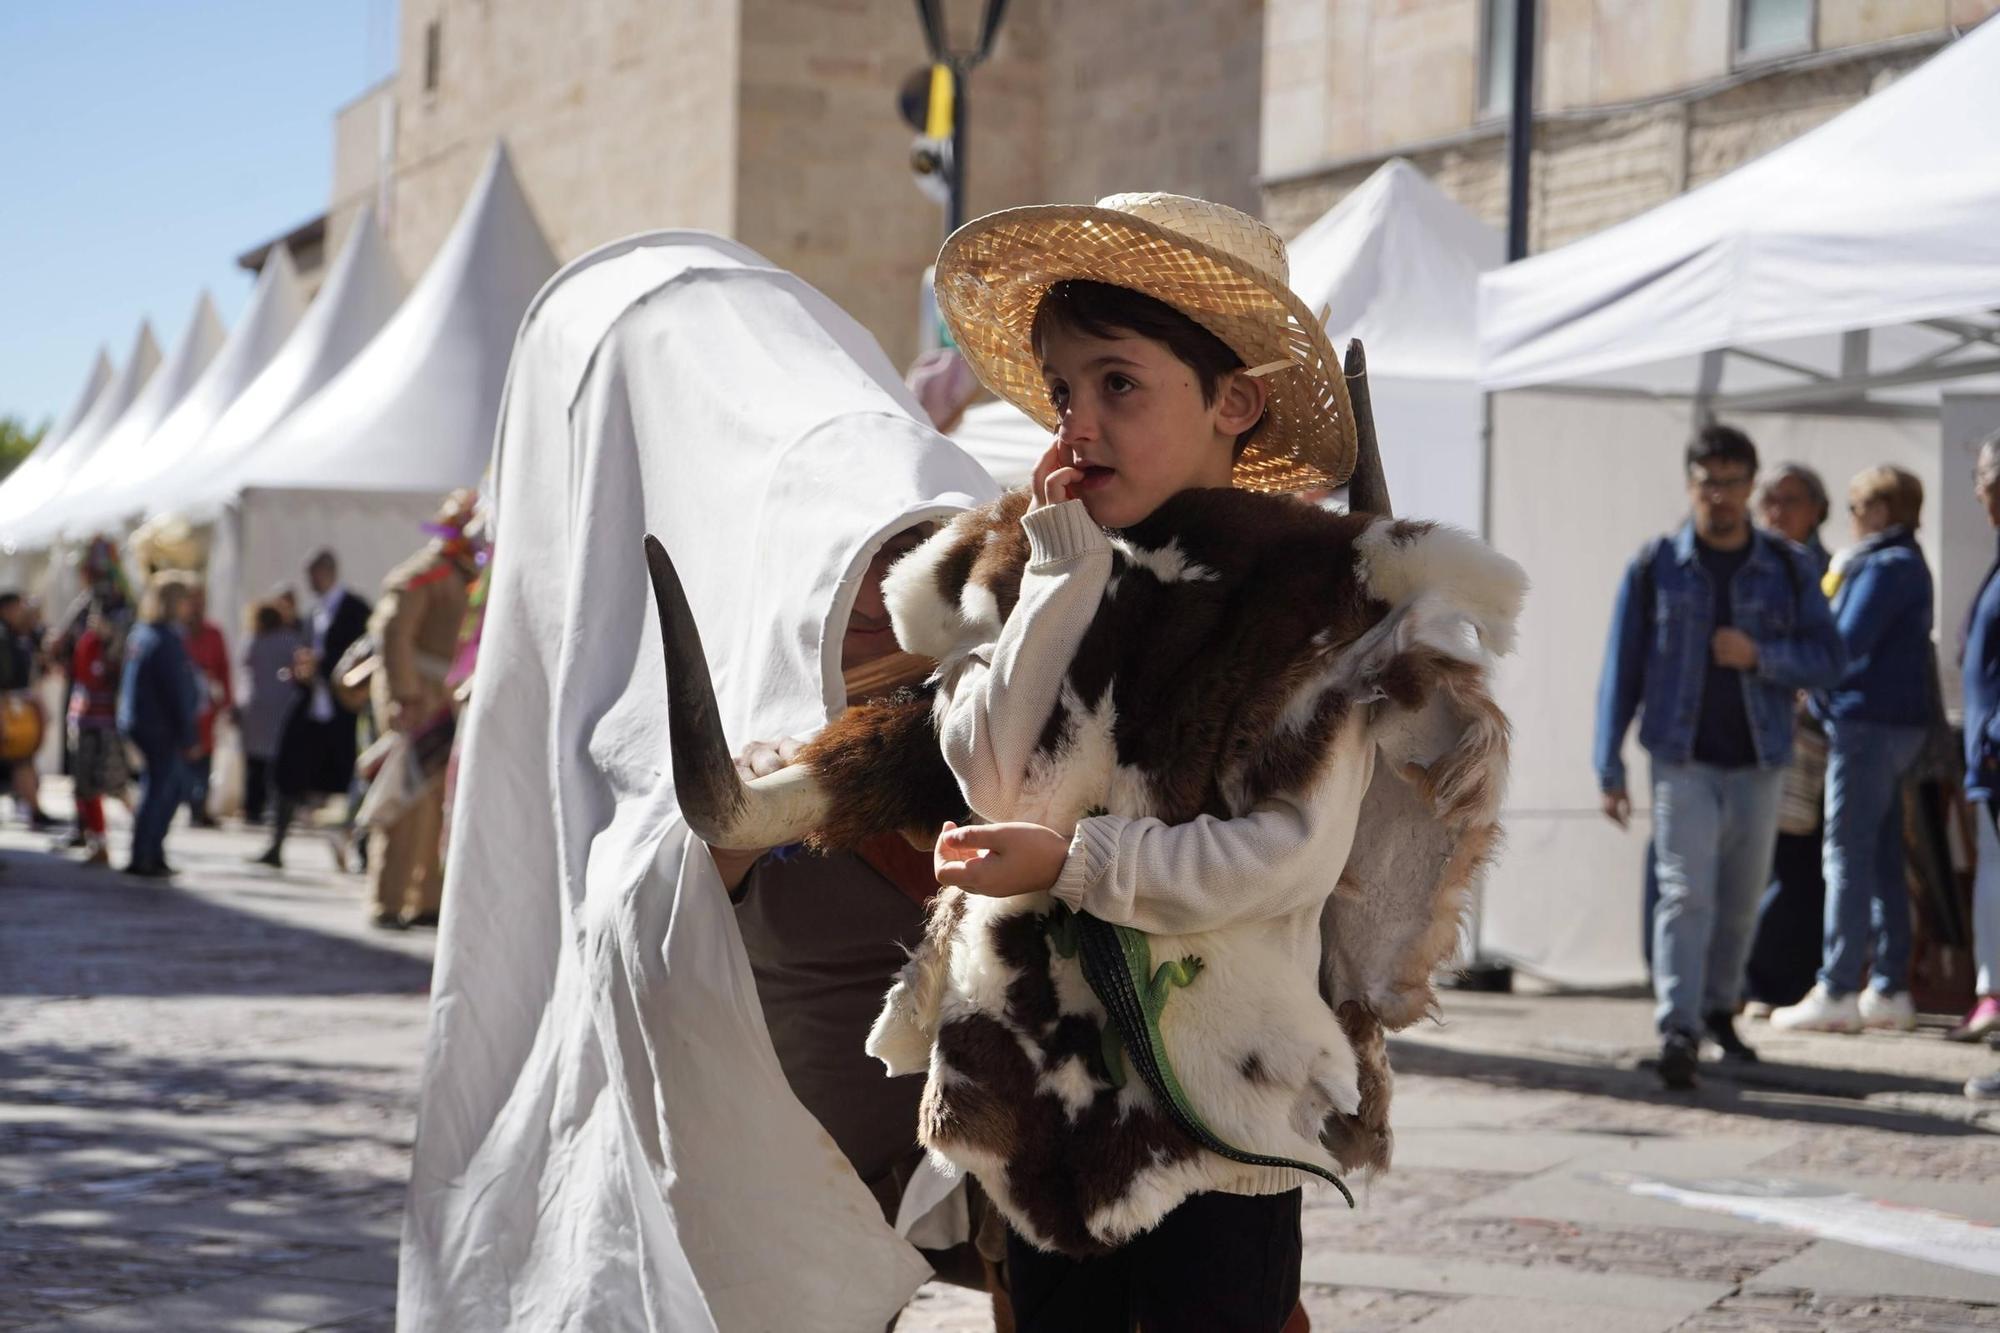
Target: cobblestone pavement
{"type": "Point", "coordinates": [207, 1097]}
{"type": "Point", "coordinates": [207, 1092]}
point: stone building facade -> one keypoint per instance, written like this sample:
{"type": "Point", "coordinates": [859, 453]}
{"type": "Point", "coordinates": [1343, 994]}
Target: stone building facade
{"type": "Point", "coordinates": [1637, 100]}
{"type": "Point", "coordinates": [776, 122]}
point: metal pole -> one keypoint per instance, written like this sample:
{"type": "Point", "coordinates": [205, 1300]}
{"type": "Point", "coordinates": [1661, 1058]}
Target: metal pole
{"type": "Point", "coordinates": [955, 213]}
{"type": "Point", "coordinates": [1520, 130]}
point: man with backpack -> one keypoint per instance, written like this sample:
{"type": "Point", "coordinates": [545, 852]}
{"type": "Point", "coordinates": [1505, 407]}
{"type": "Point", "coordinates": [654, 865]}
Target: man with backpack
{"type": "Point", "coordinates": [1716, 629]}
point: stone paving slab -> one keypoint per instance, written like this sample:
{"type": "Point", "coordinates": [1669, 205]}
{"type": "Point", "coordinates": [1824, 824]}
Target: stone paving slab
{"type": "Point", "coordinates": [1836, 1269]}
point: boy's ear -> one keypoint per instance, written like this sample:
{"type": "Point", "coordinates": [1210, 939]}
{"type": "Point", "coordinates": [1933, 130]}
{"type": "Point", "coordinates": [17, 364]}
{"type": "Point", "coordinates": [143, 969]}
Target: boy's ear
{"type": "Point", "coordinates": [1239, 402]}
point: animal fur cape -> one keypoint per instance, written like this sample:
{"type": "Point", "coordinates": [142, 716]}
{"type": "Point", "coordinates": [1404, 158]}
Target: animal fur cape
{"type": "Point", "coordinates": [1241, 641]}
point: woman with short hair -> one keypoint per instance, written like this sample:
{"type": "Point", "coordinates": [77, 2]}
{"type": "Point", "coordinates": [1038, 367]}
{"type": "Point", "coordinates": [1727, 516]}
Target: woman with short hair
{"type": "Point", "coordinates": [1876, 718]}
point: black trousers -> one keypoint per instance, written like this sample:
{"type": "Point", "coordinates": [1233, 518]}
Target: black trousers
{"type": "Point", "coordinates": [1219, 1263]}
{"type": "Point", "coordinates": [256, 788]}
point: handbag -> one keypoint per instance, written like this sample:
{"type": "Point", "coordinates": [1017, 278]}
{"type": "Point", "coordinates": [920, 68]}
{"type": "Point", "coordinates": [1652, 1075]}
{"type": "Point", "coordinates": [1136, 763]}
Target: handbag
{"type": "Point", "coordinates": [1804, 794]}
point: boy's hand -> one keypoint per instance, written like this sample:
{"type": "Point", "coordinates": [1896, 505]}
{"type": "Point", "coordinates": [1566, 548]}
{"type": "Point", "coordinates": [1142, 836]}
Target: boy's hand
{"type": "Point", "coordinates": [1054, 476]}
{"type": "Point", "coordinates": [999, 860]}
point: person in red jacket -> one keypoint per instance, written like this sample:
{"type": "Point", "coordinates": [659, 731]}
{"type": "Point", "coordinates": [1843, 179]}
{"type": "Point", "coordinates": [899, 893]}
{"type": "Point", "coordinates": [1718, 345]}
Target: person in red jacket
{"type": "Point", "coordinates": [98, 766]}
{"type": "Point", "coordinates": [210, 656]}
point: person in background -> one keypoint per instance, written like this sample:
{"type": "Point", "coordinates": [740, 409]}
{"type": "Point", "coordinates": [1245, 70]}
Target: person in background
{"type": "Point", "coordinates": [1716, 629]}
{"type": "Point", "coordinates": [210, 655]}
{"type": "Point", "coordinates": [157, 702]}
{"type": "Point", "coordinates": [286, 600]}
{"type": "Point", "coordinates": [97, 752]}
{"type": "Point", "coordinates": [108, 597]}
{"type": "Point", "coordinates": [20, 669]}
{"type": "Point", "coordinates": [1876, 716]}
{"type": "Point", "coordinates": [1979, 674]}
{"type": "Point", "coordinates": [317, 749]}
{"type": "Point", "coordinates": [268, 697]}
{"type": "Point", "coordinates": [1784, 949]}
{"type": "Point", "coordinates": [415, 626]}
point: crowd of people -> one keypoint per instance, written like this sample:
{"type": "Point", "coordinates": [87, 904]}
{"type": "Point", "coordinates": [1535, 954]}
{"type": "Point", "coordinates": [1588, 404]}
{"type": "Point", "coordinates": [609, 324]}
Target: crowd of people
{"type": "Point", "coordinates": [148, 681]}
{"type": "Point", "coordinates": [1786, 699]}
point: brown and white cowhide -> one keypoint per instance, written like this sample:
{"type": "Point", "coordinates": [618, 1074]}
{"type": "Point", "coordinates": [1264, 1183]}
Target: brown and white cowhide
{"type": "Point", "coordinates": [1245, 647]}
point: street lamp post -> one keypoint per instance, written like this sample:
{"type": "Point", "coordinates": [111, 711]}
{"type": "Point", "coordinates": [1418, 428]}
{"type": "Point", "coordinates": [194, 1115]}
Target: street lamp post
{"type": "Point", "coordinates": [960, 35]}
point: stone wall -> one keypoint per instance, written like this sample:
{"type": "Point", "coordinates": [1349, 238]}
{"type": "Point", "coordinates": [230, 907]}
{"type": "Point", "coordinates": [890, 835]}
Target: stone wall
{"type": "Point", "coordinates": [1358, 79]}
{"type": "Point", "coordinates": [1591, 171]}
{"type": "Point", "coordinates": [620, 115]}
{"type": "Point", "coordinates": [775, 121]}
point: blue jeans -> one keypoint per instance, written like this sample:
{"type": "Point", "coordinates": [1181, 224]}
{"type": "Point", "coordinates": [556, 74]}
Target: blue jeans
{"type": "Point", "coordinates": [1867, 898]}
{"type": "Point", "coordinates": [1713, 833]}
{"type": "Point", "coordinates": [160, 792]}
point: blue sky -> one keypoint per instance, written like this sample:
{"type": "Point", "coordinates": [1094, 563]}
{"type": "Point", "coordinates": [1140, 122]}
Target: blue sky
{"type": "Point", "coordinates": [143, 146]}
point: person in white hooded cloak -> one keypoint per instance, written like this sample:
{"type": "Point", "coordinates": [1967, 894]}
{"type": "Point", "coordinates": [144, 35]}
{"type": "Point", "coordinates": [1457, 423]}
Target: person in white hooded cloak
{"type": "Point", "coordinates": [606, 1139]}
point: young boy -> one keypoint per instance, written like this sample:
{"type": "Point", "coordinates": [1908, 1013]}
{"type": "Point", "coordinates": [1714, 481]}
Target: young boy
{"type": "Point", "coordinates": [1166, 352]}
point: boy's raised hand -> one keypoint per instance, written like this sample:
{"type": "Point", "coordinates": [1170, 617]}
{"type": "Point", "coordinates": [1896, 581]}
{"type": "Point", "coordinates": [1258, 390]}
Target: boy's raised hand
{"type": "Point", "coordinates": [1054, 475]}
{"type": "Point", "coordinates": [999, 860]}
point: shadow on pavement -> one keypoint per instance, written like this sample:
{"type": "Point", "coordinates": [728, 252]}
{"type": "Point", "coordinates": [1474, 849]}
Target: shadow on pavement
{"type": "Point", "coordinates": [74, 930]}
{"type": "Point", "coordinates": [1807, 1094]}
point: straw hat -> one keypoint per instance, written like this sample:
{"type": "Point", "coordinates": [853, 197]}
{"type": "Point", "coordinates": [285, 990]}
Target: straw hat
{"type": "Point", "coordinates": [1221, 268]}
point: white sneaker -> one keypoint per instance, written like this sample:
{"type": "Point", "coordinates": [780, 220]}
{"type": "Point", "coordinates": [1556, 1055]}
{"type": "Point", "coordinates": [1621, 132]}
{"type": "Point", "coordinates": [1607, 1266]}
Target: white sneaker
{"type": "Point", "coordinates": [1897, 1012]}
{"type": "Point", "coordinates": [1820, 1011]}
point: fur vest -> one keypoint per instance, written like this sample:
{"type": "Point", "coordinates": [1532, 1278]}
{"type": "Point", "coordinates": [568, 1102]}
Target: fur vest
{"type": "Point", "coordinates": [1240, 641]}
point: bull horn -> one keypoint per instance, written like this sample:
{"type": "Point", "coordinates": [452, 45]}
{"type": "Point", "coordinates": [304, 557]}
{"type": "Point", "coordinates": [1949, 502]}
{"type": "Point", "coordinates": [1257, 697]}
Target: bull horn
{"type": "Point", "coordinates": [720, 807]}
{"type": "Point", "coordinates": [1368, 486]}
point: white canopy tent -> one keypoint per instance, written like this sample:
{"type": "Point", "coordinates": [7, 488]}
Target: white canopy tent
{"type": "Point", "coordinates": [125, 444]}
{"type": "Point", "coordinates": [113, 487]}
{"type": "Point", "coordinates": [361, 292]}
{"type": "Point", "coordinates": [94, 385]}
{"type": "Point", "coordinates": [360, 465]}
{"type": "Point", "coordinates": [1829, 297]}
{"type": "Point", "coordinates": [1396, 263]}
{"type": "Point", "coordinates": [25, 490]}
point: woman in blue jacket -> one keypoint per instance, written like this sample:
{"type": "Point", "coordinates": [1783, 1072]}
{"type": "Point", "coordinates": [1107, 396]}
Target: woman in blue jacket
{"type": "Point", "coordinates": [157, 701]}
{"type": "Point", "coordinates": [1876, 718]}
{"type": "Point", "coordinates": [1979, 674]}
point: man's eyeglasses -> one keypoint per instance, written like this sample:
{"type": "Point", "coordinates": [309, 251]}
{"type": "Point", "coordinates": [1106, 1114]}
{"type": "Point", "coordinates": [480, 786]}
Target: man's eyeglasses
{"type": "Point", "coordinates": [1714, 485]}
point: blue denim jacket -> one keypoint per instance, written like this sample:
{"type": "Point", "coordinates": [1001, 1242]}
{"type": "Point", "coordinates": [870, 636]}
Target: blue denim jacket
{"type": "Point", "coordinates": [1883, 610]}
{"type": "Point", "coordinates": [1657, 658]}
{"type": "Point", "coordinates": [1979, 673]}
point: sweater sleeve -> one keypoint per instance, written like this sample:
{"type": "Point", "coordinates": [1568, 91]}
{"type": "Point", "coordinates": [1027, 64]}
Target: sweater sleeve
{"type": "Point", "coordinates": [1000, 693]}
{"type": "Point", "coordinates": [1283, 856]}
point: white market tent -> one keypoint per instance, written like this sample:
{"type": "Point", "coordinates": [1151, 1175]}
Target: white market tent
{"type": "Point", "coordinates": [362, 464]}
{"type": "Point", "coordinates": [1837, 299]}
{"type": "Point", "coordinates": [361, 292]}
{"type": "Point", "coordinates": [51, 443]}
{"type": "Point", "coordinates": [125, 444]}
{"type": "Point", "coordinates": [1856, 266]}
{"type": "Point", "coordinates": [1396, 263]}
{"type": "Point", "coordinates": [112, 487]}
{"type": "Point", "coordinates": [24, 491]}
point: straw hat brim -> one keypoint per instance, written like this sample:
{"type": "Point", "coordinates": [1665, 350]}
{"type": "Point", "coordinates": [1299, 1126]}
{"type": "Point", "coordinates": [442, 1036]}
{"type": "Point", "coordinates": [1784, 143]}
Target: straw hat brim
{"type": "Point", "coordinates": [993, 273]}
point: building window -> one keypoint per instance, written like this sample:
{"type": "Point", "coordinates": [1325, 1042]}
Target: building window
{"type": "Point", "coordinates": [1496, 57]}
{"type": "Point", "coordinates": [431, 44]}
{"type": "Point", "coordinates": [1773, 28]}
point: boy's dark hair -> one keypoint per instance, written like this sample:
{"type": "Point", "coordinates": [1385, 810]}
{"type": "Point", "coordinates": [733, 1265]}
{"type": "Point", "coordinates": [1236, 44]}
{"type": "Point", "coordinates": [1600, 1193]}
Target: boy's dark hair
{"type": "Point", "coordinates": [266, 618]}
{"type": "Point", "coordinates": [1101, 310]}
{"type": "Point", "coordinates": [9, 600]}
{"type": "Point", "coordinates": [1716, 443]}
